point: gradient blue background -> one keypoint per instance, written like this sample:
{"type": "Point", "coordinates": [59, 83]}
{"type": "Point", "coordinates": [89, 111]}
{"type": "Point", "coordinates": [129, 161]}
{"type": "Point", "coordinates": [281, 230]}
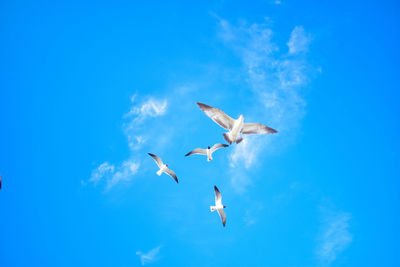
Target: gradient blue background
{"type": "Point", "coordinates": [67, 73]}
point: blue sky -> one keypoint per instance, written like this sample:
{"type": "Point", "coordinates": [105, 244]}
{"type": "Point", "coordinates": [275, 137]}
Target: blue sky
{"type": "Point", "coordinates": [88, 88]}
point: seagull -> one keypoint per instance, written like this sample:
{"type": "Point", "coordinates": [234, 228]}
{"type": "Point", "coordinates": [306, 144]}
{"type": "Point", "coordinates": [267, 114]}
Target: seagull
{"type": "Point", "coordinates": [235, 127]}
{"type": "Point", "coordinates": [207, 151]}
{"type": "Point", "coordinates": [163, 167]}
{"type": "Point", "coordinates": [218, 206]}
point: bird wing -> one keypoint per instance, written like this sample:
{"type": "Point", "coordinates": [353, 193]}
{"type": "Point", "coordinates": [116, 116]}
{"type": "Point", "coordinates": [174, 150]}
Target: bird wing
{"type": "Point", "coordinates": [217, 146]}
{"type": "Point", "coordinates": [256, 128]}
{"type": "Point", "coordinates": [197, 151]}
{"type": "Point", "coordinates": [218, 116]}
{"type": "Point", "coordinates": [218, 197]}
{"type": "Point", "coordinates": [222, 214]}
{"type": "Point", "coordinates": [157, 160]}
{"type": "Point", "coordinates": [172, 174]}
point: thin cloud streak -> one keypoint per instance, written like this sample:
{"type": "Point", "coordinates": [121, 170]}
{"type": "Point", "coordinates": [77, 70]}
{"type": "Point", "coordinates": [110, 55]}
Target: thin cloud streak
{"type": "Point", "coordinates": [334, 237]}
{"type": "Point", "coordinates": [150, 256]}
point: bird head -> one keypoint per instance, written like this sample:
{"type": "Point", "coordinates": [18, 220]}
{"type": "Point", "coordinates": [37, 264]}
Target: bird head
{"type": "Point", "coordinates": [208, 147]}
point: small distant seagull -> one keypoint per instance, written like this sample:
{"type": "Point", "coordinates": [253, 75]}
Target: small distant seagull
{"type": "Point", "coordinates": [163, 167]}
{"type": "Point", "coordinates": [235, 127]}
{"type": "Point", "coordinates": [218, 206]}
{"type": "Point", "coordinates": [207, 151]}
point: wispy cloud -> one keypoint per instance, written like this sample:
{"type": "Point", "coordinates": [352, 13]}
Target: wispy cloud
{"type": "Point", "coordinates": [150, 256]}
{"type": "Point", "coordinates": [139, 113]}
{"type": "Point", "coordinates": [150, 108]}
{"type": "Point", "coordinates": [276, 80]}
{"type": "Point", "coordinates": [299, 40]}
{"type": "Point", "coordinates": [98, 173]}
{"type": "Point", "coordinates": [125, 172]}
{"type": "Point", "coordinates": [335, 235]}
{"type": "Point", "coordinates": [112, 175]}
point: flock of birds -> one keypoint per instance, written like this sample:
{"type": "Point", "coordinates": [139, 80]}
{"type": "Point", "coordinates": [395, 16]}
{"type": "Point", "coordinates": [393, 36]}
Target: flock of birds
{"type": "Point", "coordinates": [236, 128]}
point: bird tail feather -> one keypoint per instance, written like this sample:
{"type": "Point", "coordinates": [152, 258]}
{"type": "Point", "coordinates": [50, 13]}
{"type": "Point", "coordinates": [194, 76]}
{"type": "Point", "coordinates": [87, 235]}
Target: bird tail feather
{"type": "Point", "coordinates": [227, 138]}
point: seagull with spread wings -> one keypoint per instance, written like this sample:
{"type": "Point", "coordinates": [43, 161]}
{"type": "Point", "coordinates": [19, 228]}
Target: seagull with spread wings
{"type": "Point", "coordinates": [235, 127]}
{"type": "Point", "coordinates": [218, 206]}
{"type": "Point", "coordinates": [163, 167]}
{"type": "Point", "coordinates": [207, 151]}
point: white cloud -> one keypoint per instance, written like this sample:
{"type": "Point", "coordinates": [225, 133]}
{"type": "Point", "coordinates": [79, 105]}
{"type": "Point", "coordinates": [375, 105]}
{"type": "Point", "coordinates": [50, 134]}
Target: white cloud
{"type": "Point", "coordinates": [275, 79]}
{"type": "Point", "coordinates": [150, 256]}
{"type": "Point", "coordinates": [335, 235]}
{"type": "Point", "coordinates": [299, 40]}
{"type": "Point", "coordinates": [98, 173]}
{"type": "Point", "coordinates": [245, 154]}
{"type": "Point", "coordinates": [125, 173]}
{"type": "Point", "coordinates": [112, 175]}
{"type": "Point", "coordinates": [137, 136]}
{"type": "Point", "coordinates": [150, 108]}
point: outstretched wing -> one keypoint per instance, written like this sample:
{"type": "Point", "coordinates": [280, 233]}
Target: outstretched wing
{"type": "Point", "coordinates": [218, 197]}
{"type": "Point", "coordinates": [218, 116]}
{"type": "Point", "coordinates": [172, 174]}
{"type": "Point", "coordinates": [157, 160]}
{"type": "Point", "coordinates": [222, 214]}
{"type": "Point", "coordinates": [218, 146]}
{"type": "Point", "coordinates": [197, 151]}
{"type": "Point", "coordinates": [256, 128]}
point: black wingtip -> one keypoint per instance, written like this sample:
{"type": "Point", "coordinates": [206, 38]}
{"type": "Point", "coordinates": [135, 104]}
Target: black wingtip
{"type": "Point", "coordinates": [215, 187]}
{"type": "Point", "coordinates": [152, 155]}
{"type": "Point", "coordinates": [187, 154]}
{"type": "Point", "coordinates": [201, 105]}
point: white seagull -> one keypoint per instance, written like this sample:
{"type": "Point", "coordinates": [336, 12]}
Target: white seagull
{"type": "Point", "coordinates": [207, 151]}
{"type": "Point", "coordinates": [218, 206]}
{"type": "Point", "coordinates": [235, 127]}
{"type": "Point", "coordinates": [163, 167]}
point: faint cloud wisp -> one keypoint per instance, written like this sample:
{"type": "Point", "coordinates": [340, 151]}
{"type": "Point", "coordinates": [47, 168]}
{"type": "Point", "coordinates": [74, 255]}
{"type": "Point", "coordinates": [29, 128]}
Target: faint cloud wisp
{"type": "Point", "coordinates": [150, 256]}
{"type": "Point", "coordinates": [334, 237]}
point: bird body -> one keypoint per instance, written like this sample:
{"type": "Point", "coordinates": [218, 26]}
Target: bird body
{"type": "Point", "coordinates": [209, 154]}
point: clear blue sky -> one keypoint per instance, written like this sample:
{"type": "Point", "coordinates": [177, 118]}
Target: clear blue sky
{"type": "Point", "coordinates": [88, 88]}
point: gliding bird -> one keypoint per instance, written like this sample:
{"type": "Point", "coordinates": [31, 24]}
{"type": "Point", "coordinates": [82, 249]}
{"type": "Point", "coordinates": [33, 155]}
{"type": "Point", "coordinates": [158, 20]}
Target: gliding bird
{"type": "Point", "coordinates": [163, 167]}
{"type": "Point", "coordinates": [207, 151]}
{"type": "Point", "coordinates": [218, 206]}
{"type": "Point", "coordinates": [235, 127]}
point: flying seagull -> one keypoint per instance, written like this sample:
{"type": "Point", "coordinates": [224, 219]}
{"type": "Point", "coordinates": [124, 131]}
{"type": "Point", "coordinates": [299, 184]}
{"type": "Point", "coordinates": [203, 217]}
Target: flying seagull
{"type": "Point", "coordinates": [163, 167]}
{"type": "Point", "coordinates": [207, 151]}
{"type": "Point", "coordinates": [235, 127]}
{"type": "Point", "coordinates": [218, 206]}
